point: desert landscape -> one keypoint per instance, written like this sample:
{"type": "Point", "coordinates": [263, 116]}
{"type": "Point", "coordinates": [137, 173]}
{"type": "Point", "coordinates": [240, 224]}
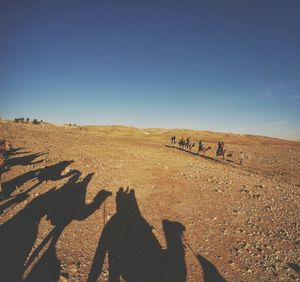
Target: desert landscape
{"type": "Point", "coordinates": [93, 203]}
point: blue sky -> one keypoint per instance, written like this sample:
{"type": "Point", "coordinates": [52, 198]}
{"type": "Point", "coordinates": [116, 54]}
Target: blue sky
{"type": "Point", "coordinates": [231, 66]}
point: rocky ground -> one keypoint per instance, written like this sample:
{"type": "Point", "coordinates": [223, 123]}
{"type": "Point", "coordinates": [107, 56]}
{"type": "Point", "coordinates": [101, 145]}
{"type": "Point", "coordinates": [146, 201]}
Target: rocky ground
{"type": "Point", "coordinates": [190, 218]}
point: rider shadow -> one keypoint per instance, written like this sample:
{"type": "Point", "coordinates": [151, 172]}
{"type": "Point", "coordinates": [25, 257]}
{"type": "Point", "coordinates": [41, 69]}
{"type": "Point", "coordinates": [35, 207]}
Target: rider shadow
{"type": "Point", "coordinates": [53, 173]}
{"type": "Point", "coordinates": [134, 253]}
{"type": "Point", "coordinates": [68, 204]}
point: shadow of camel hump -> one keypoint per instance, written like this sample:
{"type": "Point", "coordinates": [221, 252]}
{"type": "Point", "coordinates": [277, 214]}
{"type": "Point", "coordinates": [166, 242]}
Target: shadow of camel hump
{"type": "Point", "coordinates": [134, 253]}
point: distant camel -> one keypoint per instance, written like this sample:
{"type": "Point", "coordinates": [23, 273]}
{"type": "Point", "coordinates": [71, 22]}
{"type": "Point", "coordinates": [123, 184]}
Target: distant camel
{"type": "Point", "coordinates": [204, 150]}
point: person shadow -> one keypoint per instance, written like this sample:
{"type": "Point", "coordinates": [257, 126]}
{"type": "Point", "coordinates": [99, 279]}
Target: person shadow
{"type": "Point", "coordinates": [134, 253]}
{"type": "Point", "coordinates": [68, 204]}
{"type": "Point", "coordinates": [53, 173]}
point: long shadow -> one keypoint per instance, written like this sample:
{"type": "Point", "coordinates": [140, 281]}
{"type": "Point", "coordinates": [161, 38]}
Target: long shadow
{"type": "Point", "coordinates": [18, 235]}
{"type": "Point", "coordinates": [134, 253]}
{"type": "Point", "coordinates": [53, 173]}
{"type": "Point", "coordinates": [211, 273]}
{"type": "Point", "coordinates": [68, 204]}
{"type": "Point", "coordinates": [13, 152]}
{"type": "Point", "coordinates": [294, 266]}
{"type": "Point", "coordinates": [194, 153]}
{"type": "Point", "coordinates": [203, 156]}
{"type": "Point", "coordinates": [184, 150]}
{"type": "Point", "coordinates": [19, 153]}
{"type": "Point", "coordinates": [24, 160]}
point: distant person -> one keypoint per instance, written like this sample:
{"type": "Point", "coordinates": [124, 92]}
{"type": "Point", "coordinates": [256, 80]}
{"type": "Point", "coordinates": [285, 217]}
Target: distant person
{"type": "Point", "coordinates": [187, 143]}
{"type": "Point", "coordinates": [219, 149]}
{"type": "Point", "coordinates": [174, 139]}
{"type": "Point", "coordinates": [200, 146]}
{"type": "Point", "coordinates": [242, 157]}
{"type": "Point", "coordinates": [181, 143]}
{"type": "Point", "coordinates": [223, 150]}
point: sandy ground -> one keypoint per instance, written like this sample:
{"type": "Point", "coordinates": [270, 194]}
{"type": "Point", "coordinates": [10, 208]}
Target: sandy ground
{"type": "Point", "coordinates": [189, 218]}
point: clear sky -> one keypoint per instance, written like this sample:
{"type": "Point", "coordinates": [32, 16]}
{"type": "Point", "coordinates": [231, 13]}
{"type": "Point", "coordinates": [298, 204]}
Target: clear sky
{"type": "Point", "coordinates": [231, 66]}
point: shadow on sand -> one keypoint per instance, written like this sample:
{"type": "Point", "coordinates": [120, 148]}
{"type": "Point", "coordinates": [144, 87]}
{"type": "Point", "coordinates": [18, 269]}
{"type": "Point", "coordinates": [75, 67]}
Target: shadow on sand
{"type": "Point", "coordinates": [210, 272]}
{"type": "Point", "coordinates": [17, 235]}
{"type": "Point", "coordinates": [53, 173]}
{"type": "Point", "coordinates": [134, 253]}
{"type": "Point", "coordinates": [194, 153]}
{"type": "Point", "coordinates": [24, 160]}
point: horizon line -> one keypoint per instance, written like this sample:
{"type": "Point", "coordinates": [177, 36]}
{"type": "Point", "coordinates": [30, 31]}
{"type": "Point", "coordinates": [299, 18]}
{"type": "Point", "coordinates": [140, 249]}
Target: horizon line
{"type": "Point", "coordinates": [297, 139]}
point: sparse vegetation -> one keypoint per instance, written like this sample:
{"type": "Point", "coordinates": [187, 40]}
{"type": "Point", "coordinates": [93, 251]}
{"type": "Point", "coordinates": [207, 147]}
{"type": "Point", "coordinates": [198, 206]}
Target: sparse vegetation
{"type": "Point", "coordinates": [19, 120]}
{"type": "Point", "coordinates": [35, 121]}
{"type": "Point", "coordinates": [27, 120]}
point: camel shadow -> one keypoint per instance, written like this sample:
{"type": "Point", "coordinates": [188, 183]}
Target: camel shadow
{"type": "Point", "coordinates": [61, 206]}
{"type": "Point", "coordinates": [68, 205]}
{"type": "Point", "coordinates": [193, 153]}
{"type": "Point", "coordinates": [18, 235]}
{"type": "Point", "coordinates": [182, 149]}
{"type": "Point", "coordinates": [24, 160]}
{"type": "Point", "coordinates": [134, 253]}
{"type": "Point", "coordinates": [53, 173]}
{"type": "Point", "coordinates": [13, 152]}
{"type": "Point", "coordinates": [203, 156]}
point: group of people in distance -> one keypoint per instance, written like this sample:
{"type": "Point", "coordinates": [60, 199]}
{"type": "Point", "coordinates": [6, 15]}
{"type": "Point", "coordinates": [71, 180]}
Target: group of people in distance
{"type": "Point", "coordinates": [186, 144]}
